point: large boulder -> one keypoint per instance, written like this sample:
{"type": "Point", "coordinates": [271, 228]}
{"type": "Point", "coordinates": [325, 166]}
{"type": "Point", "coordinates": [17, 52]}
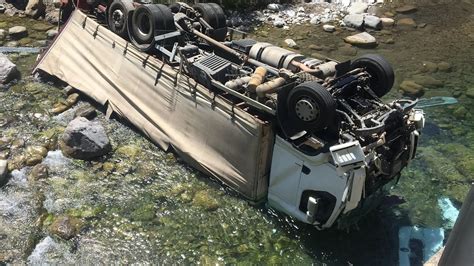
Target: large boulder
{"type": "Point", "coordinates": [362, 39]}
{"type": "Point", "coordinates": [354, 20]}
{"type": "Point", "coordinates": [35, 8]}
{"type": "Point", "coordinates": [8, 70]}
{"type": "Point", "coordinates": [84, 139]}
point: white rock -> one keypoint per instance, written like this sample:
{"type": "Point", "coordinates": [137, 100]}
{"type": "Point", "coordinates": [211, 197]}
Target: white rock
{"type": "Point", "coordinates": [35, 8]}
{"type": "Point", "coordinates": [291, 43]}
{"type": "Point", "coordinates": [373, 22]}
{"type": "Point", "coordinates": [3, 170]}
{"type": "Point", "coordinates": [300, 9]}
{"type": "Point", "coordinates": [18, 32]}
{"type": "Point", "coordinates": [50, 34]}
{"type": "Point", "coordinates": [286, 27]}
{"type": "Point", "coordinates": [274, 7]}
{"type": "Point", "coordinates": [357, 8]}
{"type": "Point", "coordinates": [354, 20]}
{"type": "Point", "coordinates": [361, 39]}
{"type": "Point", "coordinates": [314, 20]}
{"type": "Point", "coordinates": [387, 22]}
{"type": "Point", "coordinates": [8, 70]}
{"type": "Point", "coordinates": [279, 23]}
{"type": "Point", "coordinates": [329, 28]}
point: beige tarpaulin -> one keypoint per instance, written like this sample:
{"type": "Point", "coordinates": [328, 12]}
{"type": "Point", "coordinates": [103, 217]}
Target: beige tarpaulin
{"type": "Point", "coordinates": [170, 108]}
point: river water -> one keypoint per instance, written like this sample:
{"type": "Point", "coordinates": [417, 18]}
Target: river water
{"type": "Point", "coordinates": [141, 205]}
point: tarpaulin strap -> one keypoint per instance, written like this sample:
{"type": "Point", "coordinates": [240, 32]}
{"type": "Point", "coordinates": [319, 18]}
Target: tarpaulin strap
{"type": "Point", "coordinates": [126, 48]}
{"type": "Point", "coordinates": [145, 61]}
{"type": "Point", "coordinates": [96, 31]}
{"type": "Point", "coordinates": [158, 73]}
{"type": "Point", "coordinates": [84, 22]}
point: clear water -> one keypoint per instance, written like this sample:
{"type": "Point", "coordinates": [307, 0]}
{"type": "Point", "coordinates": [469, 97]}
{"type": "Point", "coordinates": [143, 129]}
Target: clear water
{"type": "Point", "coordinates": [140, 204]}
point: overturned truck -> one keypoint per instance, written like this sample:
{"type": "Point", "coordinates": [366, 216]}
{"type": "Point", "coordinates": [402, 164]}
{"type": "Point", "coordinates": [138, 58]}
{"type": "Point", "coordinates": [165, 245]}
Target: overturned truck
{"type": "Point", "coordinates": [310, 136]}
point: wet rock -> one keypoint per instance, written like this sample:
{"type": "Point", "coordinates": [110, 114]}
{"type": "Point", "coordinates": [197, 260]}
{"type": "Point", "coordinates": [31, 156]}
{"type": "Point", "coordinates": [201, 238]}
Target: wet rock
{"type": "Point", "coordinates": [40, 171]}
{"type": "Point", "coordinates": [53, 16]}
{"type": "Point", "coordinates": [274, 7]}
{"type": "Point", "coordinates": [373, 22]}
{"type": "Point", "coordinates": [17, 143]}
{"type": "Point", "coordinates": [4, 154]}
{"type": "Point", "coordinates": [363, 39]}
{"type": "Point", "coordinates": [18, 32]}
{"type": "Point", "coordinates": [387, 22]}
{"type": "Point", "coordinates": [315, 47]}
{"type": "Point", "coordinates": [65, 227]}
{"type": "Point", "coordinates": [406, 23]}
{"type": "Point", "coordinates": [59, 108]}
{"type": "Point", "coordinates": [427, 81]}
{"type": "Point", "coordinates": [8, 70]}
{"type": "Point", "coordinates": [204, 200]}
{"type": "Point", "coordinates": [348, 50]}
{"type": "Point", "coordinates": [16, 162]}
{"type": "Point", "coordinates": [87, 111]}
{"type": "Point", "coordinates": [422, 25]}
{"type": "Point", "coordinates": [354, 20]}
{"type": "Point", "coordinates": [3, 170]}
{"type": "Point", "coordinates": [411, 88]}
{"type": "Point", "coordinates": [145, 212]}
{"type": "Point", "coordinates": [291, 43]}
{"type": "Point", "coordinates": [329, 28]}
{"type": "Point", "coordinates": [460, 112]}
{"type": "Point", "coordinates": [319, 56]}
{"type": "Point", "coordinates": [389, 14]}
{"type": "Point", "coordinates": [108, 167]}
{"type": "Point", "coordinates": [12, 44]}
{"type": "Point", "coordinates": [2, 34]}
{"type": "Point", "coordinates": [444, 67]}
{"type": "Point", "coordinates": [470, 93]}
{"type": "Point", "coordinates": [406, 9]}
{"type": "Point", "coordinates": [130, 151]}
{"type": "Point", "coordinates": [279, 23]}
{"type": "Point", "coordinates": [84, 139]}
{"type": "Point", "coordinates": [35, 154]}
{"type": "Point", "coordinates": [357, 8]}
{"type": "Point", "coordinates": [35, 8]}
{"type": "Point", "coordinates": [428, 67]}
{"type": "Point", "coordinates": [50, 34]}
{"type": "Point", "coordinates": [389, 41]}
{"type": "Point", "coordinates": [72, 99]}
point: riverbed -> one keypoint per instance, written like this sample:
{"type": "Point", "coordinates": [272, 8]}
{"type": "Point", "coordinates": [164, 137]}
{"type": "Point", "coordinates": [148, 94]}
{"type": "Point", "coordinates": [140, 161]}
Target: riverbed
{"type": "Point", "coordinates": [139, 204]}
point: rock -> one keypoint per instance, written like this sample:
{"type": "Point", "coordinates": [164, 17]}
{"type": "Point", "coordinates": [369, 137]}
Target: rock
{"type": "Point", "coordinates": [59, 108]}
{"type": "Point", "coordinates": [427, 81]}
{"type": "Point", "coordinates": [279, 23]}
{"type": "Point", "coordinates": [373, 22]}
{"type": "Point", "coordinates": [274, 7]}
{"type": "Point", "coordinates": [315, 47]}
{"type": "Point", "coordinates": [460, 112]}
{"type": "Point", "coordinates": [17, 162]}
{"type": "Point", "coordinates": [108, 167]}
{"type": "Point", "coordinates": [87, 111]}
{"type": "Point", "coordinates": [65, 227]}
{"type": "Point", "coordinates": [53, 16]}
{"type": "Point", "coordinates": [470, 93]}
{"type": "Point", "coordinates": [35, 8]}
{"type": "Point", "coordinates": [8, 70]}
{"type": "Point", "coordinates": [387, 22]}
{"type": "Point", "coordinates": [204, 200]}
{"type": "Point", "coordinates": [354, 20]}
{"type": "Point", "coordinates": [12, 44]}
{"type": "Point", "coordinates": [389, 14]}
{"type": "Point", "coordinates": [444, 66]}
{"type": "Point", "coordinates": [144, 213]}
{"type": "Point", "coordinates": [411, 88]}
{"type": "Point", "coordinates": [389, 41]}
{"type": "Point", "coordinates": [362, 39]}
{"type": "Point", "coordinates": [329, 28]}
{"type": "Point", "coordinates": [2, 8]}
{"type": "Point", "coordinates": [406, 23]}
{"type": "Point", "coordinates": [428, 67]}
{"type": "Point", "coordinates": [2, 34]}
{"type": "Point", "coordinates": [17, 143]}
{"type": "Point", "coordinates": [422, 25]}
{"type": "Point", "coordinates": [357, 8]}
{"type": "Point", "coordinates": [72, 99]}
{"type": "Point", "coordinates": [40, 171]}
{"type": "Point", "coordinates": [50, 34]}
{"type": "Point", "coordinates": [84, 139]}
{"type": "Point", "coordinates": [291, 43]}
{"type": "Point", "coordinates": [348, 50]}
{"type": "Point", "coordinates": [314, 20]}
{"type": "Point", "coordinates": [18, 32]}
{"type": "Point", "coordinates": [36, 150]}
{"type": "Point", "coordinates": [130, 151]}
{"type": "Point", "coordinates": [3, 171]}
{"type": "Point", "coordinates": [406, 9]}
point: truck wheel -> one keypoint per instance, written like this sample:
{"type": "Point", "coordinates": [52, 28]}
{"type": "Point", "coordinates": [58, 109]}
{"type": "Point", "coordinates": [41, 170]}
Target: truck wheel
{"type": "Point", "coordinates": [380, 70]}
{"type": "Point", "coordinates": [311, 107]}
{"type": "Point", "coordinates": [117, 17]}
{"type": "Point", "coordinates": [149, 21]}
{"type": "Point", "coordinates": [213, 14]}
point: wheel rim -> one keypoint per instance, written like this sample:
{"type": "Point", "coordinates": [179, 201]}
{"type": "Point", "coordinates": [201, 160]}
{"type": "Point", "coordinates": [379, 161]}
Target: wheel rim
{"type": "Point", "coordinates": [118, 18]}
{"type": "Point", "coordinates": [143, 25]}
{"type": "Point", "coordinates": [307, 109]}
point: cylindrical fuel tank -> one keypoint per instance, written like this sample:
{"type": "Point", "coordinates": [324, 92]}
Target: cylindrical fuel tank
{"type": "Point", "coordinates": [274, 56]}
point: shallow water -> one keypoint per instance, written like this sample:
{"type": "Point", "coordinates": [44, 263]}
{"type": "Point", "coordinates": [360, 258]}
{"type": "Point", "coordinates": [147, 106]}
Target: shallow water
{"type": "Point", "coordinates": [140, 204]}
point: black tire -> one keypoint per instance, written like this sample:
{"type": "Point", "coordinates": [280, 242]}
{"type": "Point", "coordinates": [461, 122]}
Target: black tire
{"type": "Point", "coordinates": [380, 70]}
{"type": "Point", "coordinates": [213, 14]}
{"type": "Point", "coordinates": [149, 21]}
{"type": "Point", "coordinates": [310, 107]}
{"type": "Point", "coordinates": [117, 17]}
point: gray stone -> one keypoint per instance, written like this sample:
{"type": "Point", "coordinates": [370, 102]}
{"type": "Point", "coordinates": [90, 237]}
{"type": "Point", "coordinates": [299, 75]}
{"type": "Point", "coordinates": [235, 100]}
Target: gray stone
{"type": "Point", "coordinates": [35, 8]}
{"type": "Point", "coordinates": [3, 170]}
{"type": "Point", "coordinates": [362, 39]}
{"type": "Point", "coordinates": [357, 8]}
{"type": "Point", "coordinates": [84, 139]}
{"type": "Point", "coordinates": [373, 22]}
{"type": "Point", "coordinates": [291, 43]}
{"type": "Point", "coordinates": [406, 9]}
{"type": "Point", "coordinates": [274, 7]}
{"type": "Point", "coordinates": [39, 171]}
{"type": "Point", "coordinates": [348, 50]}
{"type": "Point", "coordinates": [65, 227]}
{"type": "Point", "coordinates": [50, 34]}
{"type": "Point", "coordinates": [18, 32]}
{"type": "Point", "coordinates": [354, 20]}
{"type": "Point", "coordinates": [86, 111]}
{"type": "Point", "coordinates": [329, 28]}
{"type": "Point", "coordinates": [8, 70]}
{"type": "Point", "coordinates": [279, 23]}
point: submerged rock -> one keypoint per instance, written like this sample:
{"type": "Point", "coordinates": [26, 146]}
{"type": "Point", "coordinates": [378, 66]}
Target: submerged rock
{"type": "Point", "coordinates": [362, 39]}
{"type": "Point", "coordinates": [65, 227]}
{"type": "Point", "coordinates": [406, 9]}
{"type": "Point", "coordinates": [84, 139]}
{"type": "Point", "coordinates": [87, 111]}
{"type": "Point", "coordinates": [204, 200]}
{"type": "Point", "coordinates": [444, 66]}
{"type": "Point", "coordinates": [406, 23]}
{"type": "Point", "coordinates": [8, 70]}
{"type": "Point", "coordinates": [411, 88]}
{"type": "Point", "coordinates": [40, 171]}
